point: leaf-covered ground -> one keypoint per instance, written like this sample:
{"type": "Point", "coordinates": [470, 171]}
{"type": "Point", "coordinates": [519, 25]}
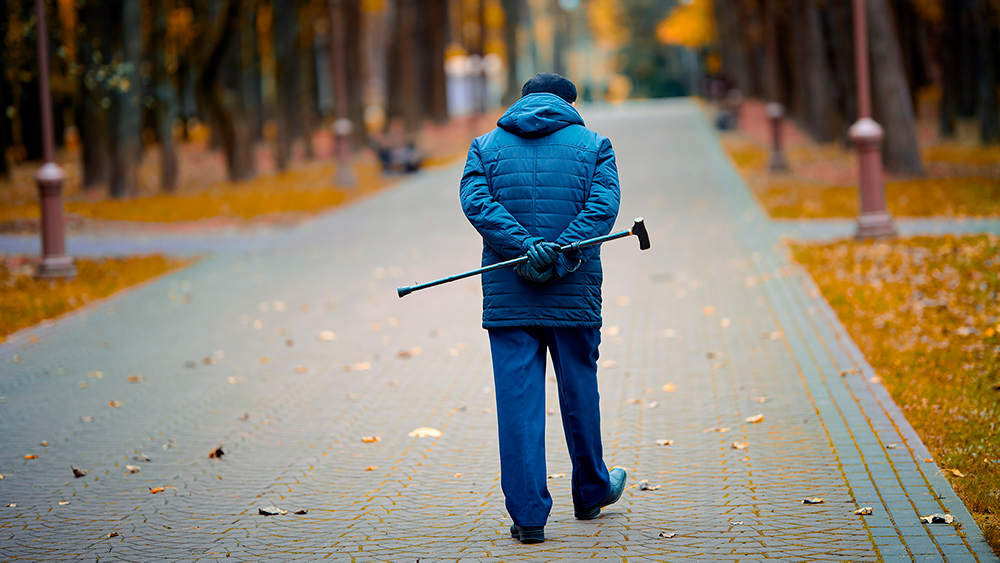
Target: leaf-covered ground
{"type": "Point", "coordinates": [27, 300]}
{"type": "Point", "coordinates": [962, 177]}
{"type": "Point", "coordinates": [926, 313]}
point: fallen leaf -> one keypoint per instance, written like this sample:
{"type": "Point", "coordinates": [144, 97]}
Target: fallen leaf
{"type": "Point", "coordinates": [718, 365]}
{"type": "Point", "coordinates": [112, 535]}
{"type": "Point", "coordinates": [78, 472]}
{"type": "Point", "coordinates": [362, 366]}
{"type": "Point", "coordinates": [736, 523]}
{"type": "Point", "coordinates": [135, 378]}
{"type": "Point", "coordinates": [141, 457]}
{"type": "Point", "coordinates": [875, 379]}
{"type": "Point", "coordinates": [63, 502]}
{"type": "Point", "coordinates": [327, 335]}
{"type": "Point", "coordinates": [556, 475]}
{"type": "Point", "coordinates": [645, 486]}
{"type": "Point", "coordinates": [233, 381]}
{"type": "Point", "coordinates": [817, 500]}
{"type": "Point", "coordinates": [865, 511]}
{"type": "Point", "coordinates": [719, 430]}
{"type": "Point", "coordinates": [371, 468]}
{"type": "Point", "coordinates": [634, 401]}
{"type": "Point", "coordinates": [609, 364]}
{"type": "Point", "coordinates": [759, 399]}
{"type": "Point", "coordinates": [1, 476]}
{"type": "Point", "coordinates": [652, 405]}
{"type": "Point", "coordinates": [928, 460]}
{"type": "Point", "coordinates": [114, 404]}
{"type": "Point", "coordinates": [155, 490]}
{"type": "Point", "coordinates": [132, 468]}
{"type": "Point", "coordinates": [86, 419]}
{"type": "Point", "coordinates": [301, 369]}
{"type": "Point", "coordinates": [44, 443]}
{"type": "Point", "coordinates": [301, 511]}
{"type": "Point", "coordinates": [740, 445]}
{"type": "Point", "coordinates": [12, 505]}
{"type": "Point", "coordinates": [754, 419]}
{"type": "Point", "coordinates": [95, 374]}
{"type": "Point", "coordinates": [216, 453]}
{"type": "Point", "coordinates": [725, 322]}
{"type": "Point", "coordinates": [708, 310]}
{"type": "Point", "coordinates": [290, 343]}
{"type": "Point", "coordinates": [84, 385]}
{"type": "Point", "coordinates": [623, 300]}
{"type": "Point", "coordinates": [955, 472]}
{"type": "Point", "coordinates": [370, 439]}
{"type": "Point", "coordinates": [265, 360]}
{"type": "Point", "coordinates": [664, 442]}
{"type": "Point", "coordinates": [31, 456]}
{"type": "Point", "coordinates": [271, 511]}
{"type": "Point", "coordinates": [424, 432]}
{"type": "Point", "coordinates": [891, 446]}
{"type": "Point", "coordinates": [669, 388]}
{"type": "Point", "coordinates": [937, 519]}
{"type": "Point", "coordinates": [244, 417]}
{"type": "Point", "coordinates": [667, 535]}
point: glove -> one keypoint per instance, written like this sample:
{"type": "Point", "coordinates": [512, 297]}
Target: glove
{"type": "Point", "coordinates": [541, 255]}
{"type": "Point", "coordinates": [528, 272]}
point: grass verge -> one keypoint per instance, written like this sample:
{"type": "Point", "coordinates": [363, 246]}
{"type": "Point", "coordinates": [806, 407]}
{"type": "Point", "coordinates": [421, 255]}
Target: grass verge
{"type": "Point", "coordinates": [26, 300]}
{"type": "Point", "coordinates": [926, 313]}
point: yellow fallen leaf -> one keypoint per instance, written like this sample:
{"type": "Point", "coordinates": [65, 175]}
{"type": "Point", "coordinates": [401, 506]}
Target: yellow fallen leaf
{"type": "Point", "coordinates": [134, 378]}
{"type": "Point", "coordinates": [740, 445]}
{"type": "Point", "coordinates": [31, 456]}
{"type": "Point", "coordinates": [327, 335]}
{"type": "Point", "coordinates": [955, 472]}
{"type": "Point", "coordinates": [457, 475]}
{"type": "Point", "coordinates": [713, 429]}
{"type": "Point", "coordinates": [362, 366]}
{"type": "Point", "coordinates": [817, 500]}
{"type": "Point", "coordinates": [371, 468]}
{"type": "Point", "coordinates": [370, 439]}
{"type": "Point", "coordinates": [708, 310]}
{"type": "Point", "coordinates": [928, 460]}
{"type": "Point", "coordinates": [63, 502]}
{"type": "Point", "coordinates": [424, 432]}
{"type": "Point", "coordinates": [725, 322]}
{"type": "Point", "coordinates": [301, 369]}
{"type": "Point", "coordinates": [44, 443]}
{"type": "Point", "coordinates": [664, 442]}
{"type": "Point", "coordinates": [669, 388]}
{"type": "Point", "coordinates": [232, 381]}
{"type": "Point", "coordinates": [754, 419]}
{"type": "Point", "coordinates": [114, 404]}
{"type": "Point", "coordinates": [155, 490]}
{"type": "Point", "coordinates": [864, 511]}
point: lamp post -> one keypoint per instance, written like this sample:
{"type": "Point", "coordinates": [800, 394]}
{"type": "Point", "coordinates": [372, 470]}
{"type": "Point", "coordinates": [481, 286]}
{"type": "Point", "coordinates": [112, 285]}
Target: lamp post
{"type": "Point", "coordinates": [343, 126]}
{"type": "Point", "coordinates": [867, 135]}
{"type": "Point", "coordinates": [775, 115]}
{"type": "Point", "coordinates": [55, 263]}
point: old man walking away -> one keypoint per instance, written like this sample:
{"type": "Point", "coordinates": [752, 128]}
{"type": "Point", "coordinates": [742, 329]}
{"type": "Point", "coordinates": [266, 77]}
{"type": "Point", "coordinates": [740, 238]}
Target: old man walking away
{"type": "Point", "coordinates": [538, 181]}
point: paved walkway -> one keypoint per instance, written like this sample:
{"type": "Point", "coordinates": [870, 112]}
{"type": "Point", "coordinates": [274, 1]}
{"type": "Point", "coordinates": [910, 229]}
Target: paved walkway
{"type": "Point", "coordinates": [228, 353]}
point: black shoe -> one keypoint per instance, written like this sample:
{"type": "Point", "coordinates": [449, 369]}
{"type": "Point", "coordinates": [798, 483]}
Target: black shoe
{"type": "Point", "coordinates": [618, 477]}
{"type": "Point", "coordinates": [528, 535]}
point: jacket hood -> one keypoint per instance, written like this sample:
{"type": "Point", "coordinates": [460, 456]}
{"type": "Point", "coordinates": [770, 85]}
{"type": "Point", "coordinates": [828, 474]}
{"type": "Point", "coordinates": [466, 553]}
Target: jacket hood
{"type": "Point", "coordinates": [538, 115]}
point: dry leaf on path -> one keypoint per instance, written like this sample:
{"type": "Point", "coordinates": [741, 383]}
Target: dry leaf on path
{"type": "Point", "coordinates": [371, 468]}
{"type": "Point", "coordinates": [817, 500]}
{"type": "Point", "coordinates": [754, 419]}
{"type": "Point", "coordinates": [95, 374]}
{"type": "Point", "coordinates": [132, 469]}
{"type": "Point", "coordinates": [954, 472]}
{"type": "Point", "coordinates": [740, 445]}
{"type": "Point", "coordinates": [736, 523]}
{"type": "Point", "coordinates": [363, 366]}
{"type": "Point", "coordinates": [652, 405]}
{"type": "Point", "coordinates": [86, 419]}
{"type": "Point", "coordinates": [928, 460]}
{"type": "Point", "coordinates": [556, 475]}
{"type": "Point", "coordinates": [301, 511]}
{"type": "Point", "coordinates": [233, 381]}
{"type": "Point", "coordinates": [216, 453]}
{"type": "Point", "coordinates": [424, 432]}
{"type": "Point", "coordinates": [78, 472]}
{"type": "Point", "coordinates": [669, 388]}
{"type": "Point", "coordinates": [12, 505]}
{"type": "Point", "coordinates": [31, 456]}
{"type": "Point", "coordinates": [271, 511]}
{"type": "Point", "coordinates": [937, 519]}
{"type": "Point", "coordinates": [864, 511]}
{"type": "Point", "coordinates": [713, 429]}
{"type": "Point", "coordinates": [114, 404]}
{"type": "Point", "coordinates": [708, 310]}
{"type": "Point", "coordinates": [111, 535]}
{"type": "Point", "coordinates": [134, 378]}
{"type": "Point", "coordinates": [63, 502]}
{"type": "Point", "coordinates": [155, 490]}
{"type": "Point", "coordinates": [141, 457]}
{"type": "Point", "coordinates": [891, 446]}
{"type": "Point", "coordinates": [457, 475]}
{"type": "Point", "coordinates": [301, 369]}
{"type": "Point", "coordinates": [327, 335]}
{"type": "Point", "coordinates": [370, 439]}
{"type": "Point", "coordinates": [667, 535]}
{"type": "Point", "coordinates": [664, 442]}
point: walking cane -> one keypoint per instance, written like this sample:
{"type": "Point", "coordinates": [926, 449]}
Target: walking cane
{"type": "Point", "coordinates": [638, 229]}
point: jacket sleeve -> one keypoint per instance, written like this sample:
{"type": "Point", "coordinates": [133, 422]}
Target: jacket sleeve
{"type": "Point", "coordinates": [497, 226]}
{"type": "Point", "coordinates": [599, 212]}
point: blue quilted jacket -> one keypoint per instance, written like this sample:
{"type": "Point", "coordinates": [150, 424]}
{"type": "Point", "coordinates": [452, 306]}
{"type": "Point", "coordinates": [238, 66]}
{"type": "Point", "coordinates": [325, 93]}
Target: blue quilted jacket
{"type": "Point", "coordinates": [541, 175]}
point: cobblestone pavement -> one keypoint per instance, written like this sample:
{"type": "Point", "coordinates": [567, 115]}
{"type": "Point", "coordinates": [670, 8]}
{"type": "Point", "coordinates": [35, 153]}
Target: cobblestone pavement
{"type": "Point", "coordinates": [228, 352]}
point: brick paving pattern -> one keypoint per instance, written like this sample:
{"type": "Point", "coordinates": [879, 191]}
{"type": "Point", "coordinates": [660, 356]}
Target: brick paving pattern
{"type": "Point", "coordinates": [228, 353]}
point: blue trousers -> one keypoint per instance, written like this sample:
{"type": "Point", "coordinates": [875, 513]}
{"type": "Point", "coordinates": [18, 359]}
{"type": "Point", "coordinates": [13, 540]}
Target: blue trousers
{"type": "Point", "coordinates": [519, 376]}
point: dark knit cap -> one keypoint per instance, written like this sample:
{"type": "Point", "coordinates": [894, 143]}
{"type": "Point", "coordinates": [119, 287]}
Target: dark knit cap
{"type": "Point", "coordinates": [550, 83]}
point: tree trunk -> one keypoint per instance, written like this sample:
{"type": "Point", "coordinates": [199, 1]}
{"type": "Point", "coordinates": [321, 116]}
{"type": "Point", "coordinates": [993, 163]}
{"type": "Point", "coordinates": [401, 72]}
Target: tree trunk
{"type": "Point", "coordinates": [989, 42]}
{"type": "Point", "coordinates": [839, 29]}
{"type": "Point", "coordinates": [253, 101]}
{"type": "Point", "coordinates": [816, 73]}
{"type": "Point", "coordinates": [91, 115]}
{"type": "Point", "coordinates": [435, 82]}
{"type": "Point", "coordinates": [356, 75]}
{"type": "Point", "coordinates": [216, 90]}
{"type": "Point", "coordinates": [126, 143]}
{"type": "Point", "coordinates": [404, 93]}
{"type": "Point", "coordinates": [949, 67]}
{"type": "Point", "coordinates": [307, 106]}
{"type": "Point", "coordinates": [4, 102]}
{"type": "Point", "coordinates": [512, 20]}
{"type": "Point", "coordinates": [166, 99]}
{"type": "Point", "coordinates": [890, 93]}
{"type": "Point", "coordinates": [285, 28]}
